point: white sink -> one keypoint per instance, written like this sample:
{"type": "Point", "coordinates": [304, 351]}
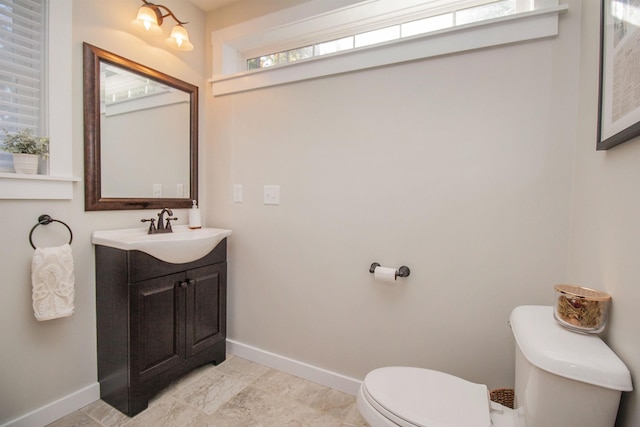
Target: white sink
{"type": "Point", "coordinates": [183, 245]}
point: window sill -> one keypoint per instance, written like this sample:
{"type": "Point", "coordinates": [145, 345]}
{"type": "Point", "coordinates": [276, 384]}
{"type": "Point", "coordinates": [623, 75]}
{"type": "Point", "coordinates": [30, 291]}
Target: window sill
{"type": "Point", "coordinates": [36, 187]}
{"type": "Point", "coordinates": [516, 28]}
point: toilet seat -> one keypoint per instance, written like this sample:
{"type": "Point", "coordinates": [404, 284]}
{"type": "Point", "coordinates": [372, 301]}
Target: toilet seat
{"type": "Point", "coordinates": [416, 397]}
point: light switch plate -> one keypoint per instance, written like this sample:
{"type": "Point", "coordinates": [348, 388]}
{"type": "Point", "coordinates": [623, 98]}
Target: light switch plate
{"type": "Point", "coordinates": [237, 193]}
{"type": "Point", "coordinates": [271, 194]}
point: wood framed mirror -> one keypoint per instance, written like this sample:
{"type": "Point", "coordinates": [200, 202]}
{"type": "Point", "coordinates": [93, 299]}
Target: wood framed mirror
{"type": "Point", "coordinates": [140, 135]}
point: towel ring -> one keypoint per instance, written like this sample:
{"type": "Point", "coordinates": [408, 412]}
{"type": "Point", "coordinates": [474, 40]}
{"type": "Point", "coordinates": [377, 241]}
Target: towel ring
{"type": "Point", "coordinates": [44, 220]}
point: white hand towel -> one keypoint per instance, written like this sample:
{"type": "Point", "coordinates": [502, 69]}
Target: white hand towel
{"type": "Point", "coordinates": [52, 282]}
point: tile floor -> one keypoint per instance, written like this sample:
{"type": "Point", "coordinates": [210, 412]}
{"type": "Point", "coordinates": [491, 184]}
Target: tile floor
{"type": "Point", "coordinates": [236, 393]}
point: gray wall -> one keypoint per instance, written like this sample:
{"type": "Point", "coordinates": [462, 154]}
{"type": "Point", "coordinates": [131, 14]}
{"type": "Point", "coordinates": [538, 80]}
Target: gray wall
{"type": "Point", "coordinates": [459, 167]}
{"type": "Point", "coordinates": [605, 239]}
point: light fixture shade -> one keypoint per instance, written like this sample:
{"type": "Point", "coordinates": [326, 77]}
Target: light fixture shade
{"type": "Point", "coordinates": [179, 39]}
{"type": "Point", "coordinates": [148, 20]}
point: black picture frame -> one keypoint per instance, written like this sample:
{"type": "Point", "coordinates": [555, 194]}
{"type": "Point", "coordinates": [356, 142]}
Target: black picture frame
{"type": "Point", "coordinates": [619, 97]}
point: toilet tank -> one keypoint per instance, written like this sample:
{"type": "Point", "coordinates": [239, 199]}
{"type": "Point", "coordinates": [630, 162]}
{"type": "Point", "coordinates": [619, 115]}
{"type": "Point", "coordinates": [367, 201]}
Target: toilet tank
{"type": "Point", "coordinates": [564, 378]}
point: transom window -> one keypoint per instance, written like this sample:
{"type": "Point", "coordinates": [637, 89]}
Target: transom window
{"type": "Point", "coordinates": [490, 9]}
{"type": "Point", "coordinates": [319, 38]}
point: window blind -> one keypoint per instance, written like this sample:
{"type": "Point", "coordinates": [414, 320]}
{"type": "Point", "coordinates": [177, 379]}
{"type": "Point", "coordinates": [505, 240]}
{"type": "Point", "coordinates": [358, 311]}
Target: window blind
{"type": "Point", "coordinates": [22, 65]}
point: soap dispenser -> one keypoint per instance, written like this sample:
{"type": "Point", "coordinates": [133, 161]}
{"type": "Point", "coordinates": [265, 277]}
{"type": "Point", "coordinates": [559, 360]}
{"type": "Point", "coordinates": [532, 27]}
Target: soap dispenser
{"type": "Point", "coordinates": [194, 216]}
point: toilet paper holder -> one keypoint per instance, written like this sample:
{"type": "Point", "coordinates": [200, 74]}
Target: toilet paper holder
{"type": "Point", "coordinates": [402, 271]}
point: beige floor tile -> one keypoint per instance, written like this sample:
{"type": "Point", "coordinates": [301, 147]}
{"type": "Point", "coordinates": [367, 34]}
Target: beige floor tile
{"type": "Point", "coordinates": [237, 393]}
{"type": "Point", "coordinates": [183, 382]}
{"type": "Point", "coordinates": [211, 390]}
{"type": "Point", "coordinates": [353, 418]}
{"type": "Point", "coordinates": [241, 369]}
{"type": "Point", "coordinates": [315, 419]}
{"type": "Point", "coordinates": [106, 414]}
{"type": "Point", "coordinates": [168, 412]}
{"type": "Point", "coordinates": [76, 419]}
{"type": "Point", "coordinates": [334, 402]}
{"type": "Point", "coordinates": [256, 407]}
{"type": "Point", "coordinates": [290, 386]}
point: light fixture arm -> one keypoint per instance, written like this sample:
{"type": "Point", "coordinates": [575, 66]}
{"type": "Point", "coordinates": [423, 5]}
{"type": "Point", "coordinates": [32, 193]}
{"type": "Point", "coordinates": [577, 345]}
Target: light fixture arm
{"type": "Point", "coordinates": [156, 8]}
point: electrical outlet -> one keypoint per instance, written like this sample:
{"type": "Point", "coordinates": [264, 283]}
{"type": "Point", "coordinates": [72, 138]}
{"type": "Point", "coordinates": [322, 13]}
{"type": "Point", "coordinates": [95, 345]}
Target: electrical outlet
{"type": "Point", "coordinates": [271, 194]}
{"type": "Point", "coordinates": [157, 190]}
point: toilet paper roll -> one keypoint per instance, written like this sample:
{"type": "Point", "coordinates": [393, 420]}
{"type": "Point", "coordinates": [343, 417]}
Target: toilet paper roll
{"type": "Point", "coordinates": [385, 274]}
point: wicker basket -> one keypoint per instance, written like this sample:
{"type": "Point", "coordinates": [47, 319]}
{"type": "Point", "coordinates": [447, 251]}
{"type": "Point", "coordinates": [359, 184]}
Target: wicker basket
{"type": "Point", "coordinates": [503, 396]}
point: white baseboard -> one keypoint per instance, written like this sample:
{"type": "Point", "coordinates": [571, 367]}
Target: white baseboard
{"type": "Point", "coordinates": [294, 367]}
{"type": "Point", "coordinates": [58, 409]}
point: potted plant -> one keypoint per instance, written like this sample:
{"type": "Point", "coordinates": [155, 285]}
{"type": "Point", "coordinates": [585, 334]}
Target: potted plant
{"type": "Point", "coordinates": [26, 149]}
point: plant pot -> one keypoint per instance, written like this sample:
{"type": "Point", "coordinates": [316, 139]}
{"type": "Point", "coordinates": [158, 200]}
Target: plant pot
{"type": "Point", "coordinates": [26, 163]}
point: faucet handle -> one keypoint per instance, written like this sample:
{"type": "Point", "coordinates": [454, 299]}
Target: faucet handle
{"type": "Point", "coordinates": [169, 222]}
{"type": "Point", "coordinates": [152, 226]}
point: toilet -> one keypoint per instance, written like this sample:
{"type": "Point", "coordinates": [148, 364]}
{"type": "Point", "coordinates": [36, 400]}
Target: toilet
{"type": "Point", "coordinates": [562, 379]}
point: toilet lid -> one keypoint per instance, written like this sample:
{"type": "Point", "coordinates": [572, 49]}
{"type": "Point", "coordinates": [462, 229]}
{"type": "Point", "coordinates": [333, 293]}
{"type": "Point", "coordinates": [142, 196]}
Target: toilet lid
{"type": "Point", "coordinates": [426, 398]}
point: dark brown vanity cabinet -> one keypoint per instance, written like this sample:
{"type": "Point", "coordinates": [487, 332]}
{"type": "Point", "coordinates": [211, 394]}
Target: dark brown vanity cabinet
{"type": "Point", "coordinates": [156, 321]}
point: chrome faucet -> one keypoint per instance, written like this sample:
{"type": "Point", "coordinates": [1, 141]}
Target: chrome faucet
{"type": "Point", "coordinates": [163, 227]}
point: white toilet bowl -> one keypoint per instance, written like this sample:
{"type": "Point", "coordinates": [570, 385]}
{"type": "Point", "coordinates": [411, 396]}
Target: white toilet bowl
{"type": "Point", "coordinates": [562, 378]}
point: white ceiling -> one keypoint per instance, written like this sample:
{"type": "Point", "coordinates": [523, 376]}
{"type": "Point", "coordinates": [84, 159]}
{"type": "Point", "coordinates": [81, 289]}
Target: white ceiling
{"type": "Point", "coordinates": [209, 5]}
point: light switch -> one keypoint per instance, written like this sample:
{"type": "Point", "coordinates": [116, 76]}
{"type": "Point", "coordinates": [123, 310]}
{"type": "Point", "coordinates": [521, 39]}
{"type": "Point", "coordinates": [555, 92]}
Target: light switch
{"type": "Point", "coordinates": [237, 193]}
{"type": "Point", "coordinates": [271, 194]}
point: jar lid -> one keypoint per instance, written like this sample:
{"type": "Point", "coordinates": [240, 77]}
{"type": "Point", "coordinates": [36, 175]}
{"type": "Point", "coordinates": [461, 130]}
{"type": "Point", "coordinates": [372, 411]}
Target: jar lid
{"type": "Point", "coordinates": [582, 292]}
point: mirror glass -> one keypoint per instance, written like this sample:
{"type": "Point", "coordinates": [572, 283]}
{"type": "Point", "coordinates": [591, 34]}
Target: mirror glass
{"type": "Point", "coordinates": [143, 121]}
{"type": "Point", "coordinates": [140, 135]}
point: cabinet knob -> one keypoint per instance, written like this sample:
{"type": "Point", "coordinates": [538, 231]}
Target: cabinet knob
{"type": "Point", "coordinates": [183, 285]}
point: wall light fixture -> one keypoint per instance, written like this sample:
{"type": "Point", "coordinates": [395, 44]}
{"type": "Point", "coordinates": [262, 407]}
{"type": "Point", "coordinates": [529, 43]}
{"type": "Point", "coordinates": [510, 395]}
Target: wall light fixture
{"type": "Point", "coordinates": [149, 19]}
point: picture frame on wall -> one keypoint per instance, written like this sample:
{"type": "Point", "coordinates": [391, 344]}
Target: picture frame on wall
{"type": "Point", "coordinates": [619, 95]}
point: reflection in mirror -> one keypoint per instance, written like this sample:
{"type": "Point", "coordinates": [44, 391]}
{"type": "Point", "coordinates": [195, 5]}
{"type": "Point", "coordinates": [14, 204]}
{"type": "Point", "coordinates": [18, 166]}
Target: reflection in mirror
{"type": "Point", "coordinates": [136, 114]}
{"type": "Point", "coordinates": [140, 135]}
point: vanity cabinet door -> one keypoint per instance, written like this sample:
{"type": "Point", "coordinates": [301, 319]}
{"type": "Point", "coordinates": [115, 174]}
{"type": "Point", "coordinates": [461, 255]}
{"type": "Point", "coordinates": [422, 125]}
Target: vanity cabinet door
{"type": "Point", "coordinates": [157, 326]}
{"type": "Point", "coordinates": [206, 307]}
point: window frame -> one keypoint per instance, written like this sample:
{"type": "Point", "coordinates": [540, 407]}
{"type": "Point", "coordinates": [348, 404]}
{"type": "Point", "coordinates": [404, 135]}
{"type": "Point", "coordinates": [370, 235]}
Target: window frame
{"type": "Point", "coordinates": [390, 29]}
{"type": "Point", "coordinates": [292, 27]}
{"type": "Point", "coordinates": [59, 183]}
{"type": "Point", "coordinates": [25, 23]}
